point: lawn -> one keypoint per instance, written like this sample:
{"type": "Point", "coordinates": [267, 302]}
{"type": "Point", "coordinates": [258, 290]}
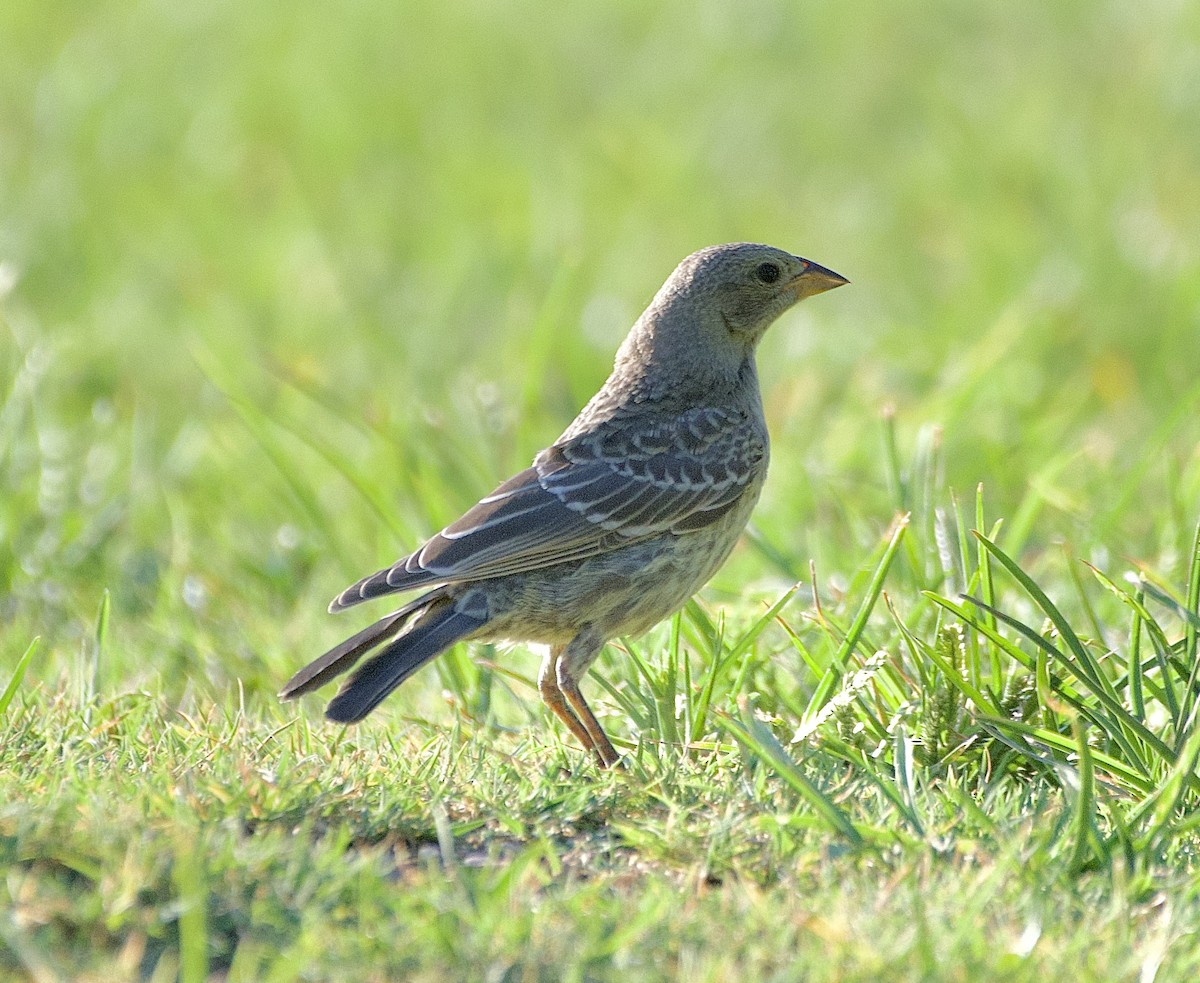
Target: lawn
{"type": "Point", "coordinates": [286, 287]}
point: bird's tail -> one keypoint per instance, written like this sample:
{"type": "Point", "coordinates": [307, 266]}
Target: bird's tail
{"type": "Point", "coordinates": [410, 637]}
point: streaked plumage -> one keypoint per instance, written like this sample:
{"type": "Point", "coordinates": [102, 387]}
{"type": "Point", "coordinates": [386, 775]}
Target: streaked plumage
{"type": "Point", "coordinates": [618, 522]}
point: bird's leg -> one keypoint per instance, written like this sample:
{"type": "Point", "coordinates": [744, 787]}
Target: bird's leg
{"type": "Point", "coordinates": [552, 696]}
{"type": "Point", "coordinates": [574, 661]}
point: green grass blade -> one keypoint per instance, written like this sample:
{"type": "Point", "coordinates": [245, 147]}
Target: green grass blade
{"type": "Point", "coordinates": [1158, 639]}
{"type": "Point", "coordinates": [192, 901]}
{"type": "Point", "coordinates": [1136, 680]}
{"type": "Point", "coordinates": [1061, 692]}
{"type": "Point", "coordinates": [1191, 626]}
{"type": "Point", "coordinates": [897, 486]}
{"type": "Point", "coordinates": [1179, 608]}
{"type": "Point", "coordinates": [868, 769]}
{"type": "Point", "coordinates": [1193, 602]}
{"type": "Point", "coordinates": [904, 777]}
{"type": "Point", "coordinates": [259, 426]}
{"type": "Point", "coordinates": [1166, 802]}
{"type": "Point", "coordinates": [1120, 716]}
{"type": "Point", "coordinates": [717, 636]}
{"type": "Point", "coordinates": [954, 678]}
{"type": "Point", "coordinates": [991, 634]}
{"type": "Point", "coordinates": [14, 681]}
{"type": "Point", "coordinates": [875, 588]}
{"type": "Point", "coordinates": [1084, 828]}
{"type": "Point", "coordinates": [1065, 745]}
{"type": "Point", "coordinates": [838, 664]}
{"type": "Point", "coordinates": [378, 498]}
{"type": "Point", "coordinates": [90, 678]}
{"type": "Point", "coordinates": [754, 734]}
{"type": "Point", "coordinates": [1087, 662]}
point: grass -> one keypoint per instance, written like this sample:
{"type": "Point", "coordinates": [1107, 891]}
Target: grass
{"type": "Point", "coordinates": [284, 288]}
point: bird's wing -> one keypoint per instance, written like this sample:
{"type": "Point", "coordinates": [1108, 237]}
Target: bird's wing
{"type": "Point", "coordinates": [626, 479]}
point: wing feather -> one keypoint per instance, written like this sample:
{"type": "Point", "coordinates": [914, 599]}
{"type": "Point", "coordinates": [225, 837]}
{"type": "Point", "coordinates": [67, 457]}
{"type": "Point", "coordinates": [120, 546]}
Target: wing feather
{"type": "Point", "coordinates": [626, 479]}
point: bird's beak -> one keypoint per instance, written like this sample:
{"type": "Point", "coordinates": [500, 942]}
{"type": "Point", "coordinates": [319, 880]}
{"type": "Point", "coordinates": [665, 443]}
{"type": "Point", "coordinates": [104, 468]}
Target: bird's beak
{"type": "Point", "coordinates": [814, 279]}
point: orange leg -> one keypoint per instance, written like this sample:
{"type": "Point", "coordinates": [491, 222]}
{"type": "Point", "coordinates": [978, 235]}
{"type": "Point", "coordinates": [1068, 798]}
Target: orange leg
{"type": "Point", "coordinates": [552, 696]}
{"type": "Point", "coordinates": [601, 745]}
{"type": "Point", "coordinates": [570, 667]}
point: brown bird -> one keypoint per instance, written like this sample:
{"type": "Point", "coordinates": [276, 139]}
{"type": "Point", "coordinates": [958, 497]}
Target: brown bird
{"type": "Point", "coordinates": [619, 521]}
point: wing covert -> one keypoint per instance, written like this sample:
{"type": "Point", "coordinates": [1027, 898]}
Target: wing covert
{"type": "Point", "coordinates": [627, 479]}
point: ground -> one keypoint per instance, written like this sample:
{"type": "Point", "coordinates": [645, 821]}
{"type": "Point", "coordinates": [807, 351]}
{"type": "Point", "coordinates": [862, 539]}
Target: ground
{"type": "Point", "coordinates": [285, 288]}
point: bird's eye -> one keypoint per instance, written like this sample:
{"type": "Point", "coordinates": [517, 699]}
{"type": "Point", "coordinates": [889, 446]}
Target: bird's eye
{"type": "Point", "coordinates": [767, 272]}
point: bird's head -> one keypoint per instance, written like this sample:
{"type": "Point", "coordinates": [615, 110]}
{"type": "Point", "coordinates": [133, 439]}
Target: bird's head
{"type": "Point", "coordinates": [748, 285]}
{"type": "Point", "coordinates": [712, 311]}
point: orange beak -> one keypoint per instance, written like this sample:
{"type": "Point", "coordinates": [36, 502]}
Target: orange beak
{"type": "Point", "coordinates": [814, 280]}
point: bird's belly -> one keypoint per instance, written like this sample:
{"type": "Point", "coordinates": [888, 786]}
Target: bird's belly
{"type": "Point", "coordinates": [623, 592]}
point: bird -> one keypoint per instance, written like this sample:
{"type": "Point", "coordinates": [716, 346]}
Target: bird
{"type": "Point", "coordinates": [616, 524]}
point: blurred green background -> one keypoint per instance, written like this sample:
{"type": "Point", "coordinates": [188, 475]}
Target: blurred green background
{"type": "Point", "coordinates": [285, 286]}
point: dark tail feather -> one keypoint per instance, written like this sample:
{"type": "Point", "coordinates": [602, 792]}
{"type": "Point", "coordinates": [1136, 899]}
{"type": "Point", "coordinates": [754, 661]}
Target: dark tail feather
{"type": "Point", "coordinates": [434, 629]}
{"type": "Point", "coordinates": [342, 657]}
